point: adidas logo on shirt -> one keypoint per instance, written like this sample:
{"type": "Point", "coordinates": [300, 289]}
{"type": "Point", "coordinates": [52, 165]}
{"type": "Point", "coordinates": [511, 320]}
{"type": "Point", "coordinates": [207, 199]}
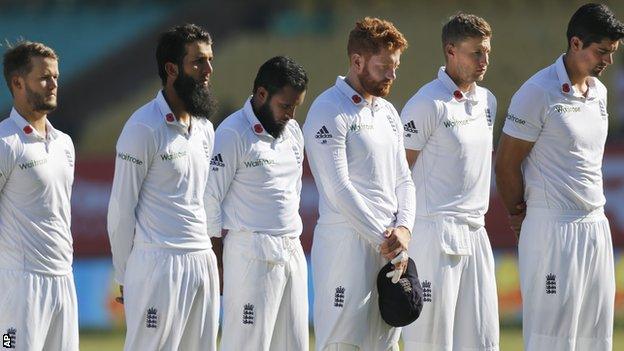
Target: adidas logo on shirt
{"type": "Point", "coordinates": [217, 161]}
{"type": "Point", "coordinates": [410, 127]}
{"type": "Point", "coordinates": [323, 134]}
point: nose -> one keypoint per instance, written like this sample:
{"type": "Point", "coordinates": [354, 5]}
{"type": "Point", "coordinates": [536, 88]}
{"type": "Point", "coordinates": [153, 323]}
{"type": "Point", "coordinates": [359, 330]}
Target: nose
{"type": "Point", "coordinates": [53, 84]}
{"type": "Point", "coordinates": [391, 74]}
{"type": "Point", "coordinates": [208, 69]}
{"type": "Point", "coordinates": [290, 113]}
{"type": "Point", "coordinates": [609, 60]}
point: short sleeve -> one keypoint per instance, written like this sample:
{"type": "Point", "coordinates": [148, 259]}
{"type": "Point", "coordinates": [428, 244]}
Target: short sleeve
{"type": "Point", "coordinates": [525, 117]}
{"type": "Point", "coordinates": [419, 118]}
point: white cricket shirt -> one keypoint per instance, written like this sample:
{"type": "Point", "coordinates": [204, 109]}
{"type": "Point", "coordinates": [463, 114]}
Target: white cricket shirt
{"type": "Point", "coordinates": [356, 154]}
{"type": "Point", "coordinates": [255, 179]}
{"type": "Point", "coordinates": [564, 168]}
{"type": "Point", "coordinates": [161, 170]}
{"type": "Point", "coordinates": [36, 177]}
{"type": "Point", "coordinates": [453, 132]}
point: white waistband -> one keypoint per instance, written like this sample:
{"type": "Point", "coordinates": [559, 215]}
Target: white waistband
{"type": "Point", "coordinates": [173, 250]}
{"type": "Point", "coordinates": [567, 215]}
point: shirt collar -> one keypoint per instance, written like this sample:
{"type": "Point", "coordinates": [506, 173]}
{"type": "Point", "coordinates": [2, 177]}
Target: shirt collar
{"type": "Point", "coordinates": [168, 115]}
{"type": "Point", "coordinates": [28, 130]}
{"type": "Point", "coordinates": [454, 90]}
{"type": "Point", "coordinates": [565, 85]}
{"type": "Point", "coordinates": [353, 95]}
{"type": "Point", "coordinates": [255, 124]}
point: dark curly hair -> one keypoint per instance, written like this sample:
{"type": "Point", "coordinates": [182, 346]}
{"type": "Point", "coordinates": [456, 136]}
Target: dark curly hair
{"type": "Point", "coordinates": [594, 22]}
{"type": "Point", "coordinates": [172, 45]}
{"type": "Point", "coordinates": [278, 72]}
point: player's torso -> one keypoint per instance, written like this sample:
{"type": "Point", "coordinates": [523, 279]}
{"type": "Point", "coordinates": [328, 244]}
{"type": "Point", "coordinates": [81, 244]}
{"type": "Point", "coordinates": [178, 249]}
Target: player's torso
{"type": "Point", "coordinates": [577, 126]}
{"type": "Point", "coordinates": [453, 171]}
{"type": "Point", "coordinates": [372, 142]}
{"type": "Point", "coordinates": [179, 169]}
{"type": "Point", "coordinates": [35, 213]}
{"type": "Point", "coordinates": [464, 133]}
{"type": "Point", "coordinates": [564, 168]}
{"type": "Point", "coordinates": [42, 177]}
{"type": "Point", "coordinates": [272, 167]}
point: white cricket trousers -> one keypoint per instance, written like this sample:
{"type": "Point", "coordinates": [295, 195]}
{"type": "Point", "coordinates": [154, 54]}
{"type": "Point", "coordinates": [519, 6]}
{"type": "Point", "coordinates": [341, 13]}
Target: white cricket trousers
{"type": "Point", "coordinates": [38, 312]}
{"type": "Point", "coordinates": [265, 293]}
{"type": "Point", "coordinates": [346, 304]}
{"type": "Point", "coordinates": [171, 300]}
{"type": "Point", "coordinates": [460, 304]}
{"type": "Point", "coordinates": [567, 280]}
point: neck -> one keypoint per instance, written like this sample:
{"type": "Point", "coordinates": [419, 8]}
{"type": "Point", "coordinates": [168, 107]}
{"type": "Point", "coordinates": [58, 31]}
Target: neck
{"type": "Point", "coordinates": [354, 82]}
{"type": "Point", "coordinates": [176, 105]}
{"type": "Point", "coordinates": [454, 75]}
{"type": "Point", "coordinates": [37, 119]}
{"type": "Point", "coordinates": [577, 78]}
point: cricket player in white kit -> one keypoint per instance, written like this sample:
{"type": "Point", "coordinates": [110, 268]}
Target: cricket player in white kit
{"type": "Point", "coordinates": [156, 217]}
{"type": "Point", "coordinates": [550, 157]}
{"type": "Point", "coordinates": [354, 144]}
{"type": "Point", "coordinates": [254, 192]}
{"type": "Point", "coordinates": [38, 308]}
{"type": "Point", "coordinates": [448, 136]}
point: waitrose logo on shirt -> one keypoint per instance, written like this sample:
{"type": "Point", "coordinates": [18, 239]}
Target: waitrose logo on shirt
{"type": "Point", "coordinates": [359, 127]}
{"type": "Point", "coordinates": [259, 162]}
{"type": "Point", "coordinates": [129, 158]}
{"type": "Point", "coordinates": [33, 163]}
{"type": "Point", "coordinates": [172, 156]}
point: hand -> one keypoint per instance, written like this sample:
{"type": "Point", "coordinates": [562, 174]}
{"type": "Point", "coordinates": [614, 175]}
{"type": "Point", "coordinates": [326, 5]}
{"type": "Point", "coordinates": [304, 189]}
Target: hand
{"type": "Point", "coordinates": [397, 240]}
{"type": "Point", "coordinates": [400, 266]}
{"type": "Point", "coordinates": [120, 298]}
{"type": "Point", "coordinates": [516, 219]}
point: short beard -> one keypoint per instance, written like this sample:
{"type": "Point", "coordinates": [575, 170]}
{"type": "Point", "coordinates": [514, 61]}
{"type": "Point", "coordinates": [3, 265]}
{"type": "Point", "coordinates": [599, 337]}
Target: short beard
{"type": "Point", "coordinates": [37, 101]}
{"type": "Point", "coordinates": [373, 87]}
{"type": "Point", "coordinates": [266, 117]}
{"type": "Point", "coordinates": [596, 72]}
{"type": "Point", "coordinates": [197, 98]}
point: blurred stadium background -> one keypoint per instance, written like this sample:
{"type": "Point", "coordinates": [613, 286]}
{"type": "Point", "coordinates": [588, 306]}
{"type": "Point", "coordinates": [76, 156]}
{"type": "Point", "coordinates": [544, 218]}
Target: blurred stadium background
{"type": "Point", "coordinates": [108, 69]}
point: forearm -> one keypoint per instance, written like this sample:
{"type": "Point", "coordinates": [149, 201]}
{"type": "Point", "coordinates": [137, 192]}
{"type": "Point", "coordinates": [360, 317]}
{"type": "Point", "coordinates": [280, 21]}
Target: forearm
{"type": "Point", "coordinates": [510, 186]}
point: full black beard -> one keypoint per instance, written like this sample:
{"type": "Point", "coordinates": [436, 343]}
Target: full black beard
{"type": "Point", "coordinates": [270, 124]}
{"type": "Point", "coordinates": [197, 98]}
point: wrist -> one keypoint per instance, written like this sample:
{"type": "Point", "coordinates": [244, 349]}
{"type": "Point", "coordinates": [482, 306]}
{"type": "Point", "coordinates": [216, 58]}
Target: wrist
{"type": "Point", "coordinates": [409, 232]}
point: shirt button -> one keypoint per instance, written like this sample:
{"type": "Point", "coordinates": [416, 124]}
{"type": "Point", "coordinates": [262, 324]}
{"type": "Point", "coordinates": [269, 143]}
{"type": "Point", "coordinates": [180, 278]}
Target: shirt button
{"type": "Point", "coordinates": [28, 129]}
{"type": "Point", "coordinates": [258, 128]}
{"type": "Point", "coordinates": [170, 117]}
{"type": "Point", "coordinates": [458, 94]}
{"type": "Point", "coordinates": [356, 98]}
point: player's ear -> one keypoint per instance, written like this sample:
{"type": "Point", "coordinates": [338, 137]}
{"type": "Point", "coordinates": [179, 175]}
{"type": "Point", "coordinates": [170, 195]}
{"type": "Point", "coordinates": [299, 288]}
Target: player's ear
{"type": "Point", "coordinates": [358, 62]}
{"type": "Point", "coordinates": [261, 95]}
{"type": "Point", "coordinates": [16, 82]}
{"type": "Point", "coordinates": [172, 70]}
{"type": "Point", "coordinates": [449, 50]}
{"type": "Point", "coordinates": [576, 44]}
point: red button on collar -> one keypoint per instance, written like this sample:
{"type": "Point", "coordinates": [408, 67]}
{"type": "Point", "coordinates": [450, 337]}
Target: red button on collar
{"type": "Point", "coordinates": [565, 87]}
{"type": "Point", "coordinates": [458, 94]}
{"type": "Point", "coordinates": [28, 129]}
{"type": "Point", "coordinates": [258, 128]}
{"type": "Point", "coordinates": [356, 98]}
{"type": "Point", "coordinates": [170, 117]}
